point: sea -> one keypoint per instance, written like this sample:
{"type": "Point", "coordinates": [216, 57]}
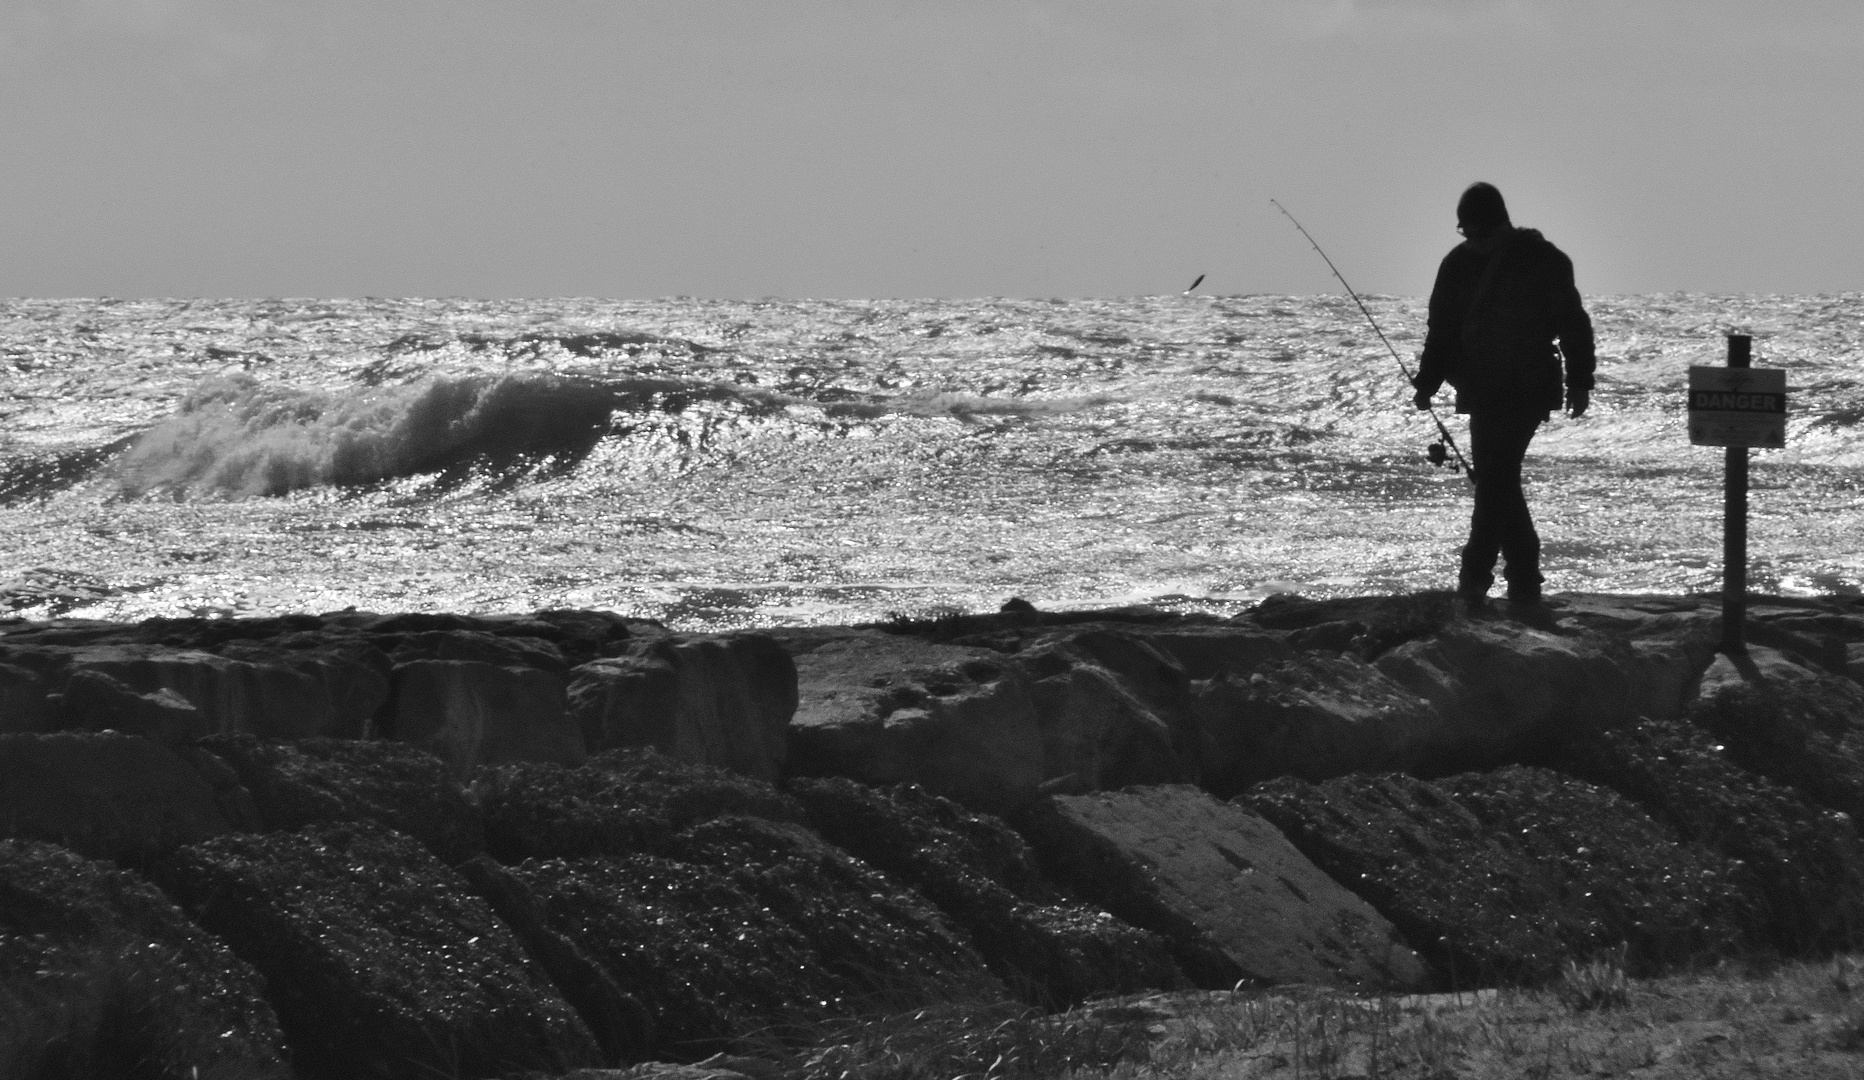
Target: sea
{"type": "Point", "coordinates": [720, 464]}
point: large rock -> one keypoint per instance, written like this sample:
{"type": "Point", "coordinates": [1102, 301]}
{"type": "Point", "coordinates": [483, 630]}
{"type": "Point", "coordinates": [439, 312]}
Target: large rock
{"type": "Point", "coordinates": [471, 713]}
{"type": "Point", "coordinates": [103, 976]}
{"type": "Point", "coordinates": [622, 1026]}
{"type": "Point", "coordinates": [1233, 897]}
{"type": "Point", "coordinates": [1365, 625]}
{"type": "Point", "coordinates": [106, 795]}
{"type": "Point", "coordinates": [481, 646]}
{"type": "Point", "coordinates": [1510, 692]}
{"type": "Point", "coordinates": [1314, 715]}
{"type": "Point", "coordinates": [278, 693]}
{"type": "Point", "coordinates": [1098, 731]}
{"type": "Point", "coordinates": [381, 961]}
{"type": "Point", "coordinates": [1498, 877]}
{"type": "Point", "coordinates": [755, 926]}
{"type": "Point", "coordinates": [622, 802]}
{"type": "Point", "coordinates": [1209, 652]}
{"type": "Point", "coordinates": [1801, 868]}
{"type": "Point", "coordinates": [319, 781]}
{"type": "Point", "coordinates": [1790, 721]}
{"type": "Point", "coordinates": [96, 702]}
{"type": "Point", "coordinates": [885, 709]}
{"type": "Point", "coordinates": [723, 701]}
{"type": "Point", "coordinates": [23, 705]}
{"type": "Point", "coordinates": [982, 875]}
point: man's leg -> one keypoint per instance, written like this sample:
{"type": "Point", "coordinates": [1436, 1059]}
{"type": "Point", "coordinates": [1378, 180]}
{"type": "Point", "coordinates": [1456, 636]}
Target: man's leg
{"type": "Point", "coordinates": [1500, 523]}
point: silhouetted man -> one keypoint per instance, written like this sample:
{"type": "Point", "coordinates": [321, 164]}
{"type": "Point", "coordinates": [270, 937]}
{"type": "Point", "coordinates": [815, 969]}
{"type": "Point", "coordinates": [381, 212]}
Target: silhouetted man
{"type": "Point", "coordinates": [1502, 297]}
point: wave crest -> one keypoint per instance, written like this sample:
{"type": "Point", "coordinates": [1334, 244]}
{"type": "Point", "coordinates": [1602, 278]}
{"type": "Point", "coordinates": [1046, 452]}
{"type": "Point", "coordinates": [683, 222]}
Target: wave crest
{"type": "Point", "coordinates": [238, 436]}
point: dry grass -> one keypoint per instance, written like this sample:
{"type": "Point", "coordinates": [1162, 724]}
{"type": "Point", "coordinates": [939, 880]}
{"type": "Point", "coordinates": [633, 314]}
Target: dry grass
{"type": "Point", "coordinates": [1793, 1020]}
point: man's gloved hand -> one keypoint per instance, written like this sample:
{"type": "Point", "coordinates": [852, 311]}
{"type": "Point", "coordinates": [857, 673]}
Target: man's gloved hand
{"type": "Point", "coordinates": [1422, 401]}
{"type": "Point", "coordinates": [1576, 401]}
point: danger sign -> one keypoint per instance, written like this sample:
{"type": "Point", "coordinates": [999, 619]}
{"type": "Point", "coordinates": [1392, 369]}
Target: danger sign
{"type": "Point", "coordinates": [1736, 406]}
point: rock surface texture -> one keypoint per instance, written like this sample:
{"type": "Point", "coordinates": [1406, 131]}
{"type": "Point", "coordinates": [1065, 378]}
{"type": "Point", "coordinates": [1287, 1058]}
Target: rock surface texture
{"type": "Point", "coordinates": [559, 843]}
{"type": "Point", "coordinates": [887, 709]}
{"type": "Point", "coordinates": [1500, 876]}
{"type": "Point", "coordinates": [1800, 868]}
{"type": "Point", "coordinates": [105, 795]}
{"type": "Point", "coordinates": [982, 875]}
{"type": "Point", "coordinates": [1234, 898]}
{"type": "Point", "coordinates": [713, 700]}
{"type": "Point", "coordinates": [380, 961]}
{"type": "Point", "coordinates": [102, 975]}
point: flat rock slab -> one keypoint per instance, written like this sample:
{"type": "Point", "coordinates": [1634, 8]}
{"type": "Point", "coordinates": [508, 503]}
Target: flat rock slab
{"type": "Point", "coordinates": [1237, 901]}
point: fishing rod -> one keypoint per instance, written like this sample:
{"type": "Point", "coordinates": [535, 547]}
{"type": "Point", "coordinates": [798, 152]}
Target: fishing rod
{"type": "Point", "coordinates": [1436, 454]}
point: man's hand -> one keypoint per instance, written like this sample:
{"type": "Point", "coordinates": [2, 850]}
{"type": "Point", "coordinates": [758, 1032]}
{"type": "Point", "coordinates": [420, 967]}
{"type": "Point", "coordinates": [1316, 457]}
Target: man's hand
{"type": "Point", "coordinates": [1422, 401]}
{"type": "Point", "coordinates": [1576, 401]}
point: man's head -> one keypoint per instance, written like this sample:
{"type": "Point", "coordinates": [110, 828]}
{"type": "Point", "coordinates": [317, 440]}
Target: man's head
{"type": "Point", "coordinates": [1481, 215]}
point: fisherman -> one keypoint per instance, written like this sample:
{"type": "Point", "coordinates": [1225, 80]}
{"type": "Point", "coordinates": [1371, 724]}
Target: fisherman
{"type": "Point", "coordinates": [1501, 299]}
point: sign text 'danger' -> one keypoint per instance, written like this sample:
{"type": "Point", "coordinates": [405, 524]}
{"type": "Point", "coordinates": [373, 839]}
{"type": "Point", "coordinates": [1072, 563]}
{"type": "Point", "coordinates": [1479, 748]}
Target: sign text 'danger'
{"type": "Point", "coordinates": [1737, 406]}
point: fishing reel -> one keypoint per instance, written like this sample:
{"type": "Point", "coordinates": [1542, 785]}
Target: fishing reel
{"type": "Point", "coordinates": [1439, 456]}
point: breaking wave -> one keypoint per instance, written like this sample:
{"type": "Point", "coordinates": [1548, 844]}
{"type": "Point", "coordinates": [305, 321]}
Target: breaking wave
{"type": "Point", "coordinates": [236, 435]}
{"type": "Point", "coordinates": [239, 436]}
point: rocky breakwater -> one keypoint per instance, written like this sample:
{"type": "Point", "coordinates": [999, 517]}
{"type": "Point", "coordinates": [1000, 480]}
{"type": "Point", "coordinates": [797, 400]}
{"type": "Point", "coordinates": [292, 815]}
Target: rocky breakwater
{"type": "Point", "coordinates": [378, 845]}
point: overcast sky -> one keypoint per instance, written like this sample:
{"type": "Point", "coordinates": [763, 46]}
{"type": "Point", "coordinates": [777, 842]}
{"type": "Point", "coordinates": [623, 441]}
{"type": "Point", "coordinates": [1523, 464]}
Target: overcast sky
{"type": "Point", "coordinates": [856, 148]}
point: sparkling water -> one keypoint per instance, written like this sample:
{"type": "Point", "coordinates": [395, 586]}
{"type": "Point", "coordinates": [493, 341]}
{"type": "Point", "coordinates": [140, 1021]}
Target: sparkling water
{"type": "Point", "coordinates": [716, 464]}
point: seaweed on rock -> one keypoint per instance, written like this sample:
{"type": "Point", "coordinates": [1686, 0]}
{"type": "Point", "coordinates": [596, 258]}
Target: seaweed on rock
{"type": "Point", "coordinates": [1803, 868]}
{"type": "Point", "coordinates": [1498, 877]}
{"type": "Point", "coordinates": [1791, 722]}
{"type": "Point", "coordinates": [617, 803]}
{"type": "Point", "coordinates": [101, 976]}
{"type": "Point", "coordinates": [982, 875]}
{"type": "Point", "coordinates": [379, 960]}
{"type": "Point", "coordinates": [317, 781]}
{"type": "Point", "coordinates": [770, 929]}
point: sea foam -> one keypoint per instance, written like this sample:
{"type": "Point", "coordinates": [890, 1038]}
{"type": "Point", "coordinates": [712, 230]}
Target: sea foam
{"type": "Point", "coordinates": [237, 435]}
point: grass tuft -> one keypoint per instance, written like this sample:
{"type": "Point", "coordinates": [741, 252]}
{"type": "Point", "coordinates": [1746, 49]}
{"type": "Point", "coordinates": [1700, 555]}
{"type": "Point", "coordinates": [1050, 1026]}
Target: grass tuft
{"type": "Point", "coordinates": [1595, 984]}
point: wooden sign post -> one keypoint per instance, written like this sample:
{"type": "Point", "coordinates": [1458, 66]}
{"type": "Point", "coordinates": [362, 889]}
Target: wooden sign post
{"type": "Point", "coordinates": [1736, 407]}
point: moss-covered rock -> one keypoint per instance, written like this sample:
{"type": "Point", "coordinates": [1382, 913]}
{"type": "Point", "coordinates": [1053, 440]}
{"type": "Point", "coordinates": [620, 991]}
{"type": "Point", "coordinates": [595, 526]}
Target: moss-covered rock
{"type": "Point", "coordinates": [758, 926]}
{"type": "Point", "coordinates": [1500, 876]}
{"type": "Point", "coordinates": [104, 794]}
{"type": "Point", "coordinates": [1790, 721]}
{"type": "Point", "coordinates": [380, 960]}
{"type": "Point", "coordinates": [317, 781]}
{"type": "Point", "coordinates": [103, 976]}
{"type": "Point", "coordinates": [617, 803]}
{"type": "Point", "coordinates": [622, 1026]}
{"type": "Point", "coordinates": [1803, 868]}
{"type": "Point", "coordinates": [982, 875]}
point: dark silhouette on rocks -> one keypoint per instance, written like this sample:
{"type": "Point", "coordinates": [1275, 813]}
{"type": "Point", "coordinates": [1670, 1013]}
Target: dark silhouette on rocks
{"type": "Point", "coordinates": [1501, 298]}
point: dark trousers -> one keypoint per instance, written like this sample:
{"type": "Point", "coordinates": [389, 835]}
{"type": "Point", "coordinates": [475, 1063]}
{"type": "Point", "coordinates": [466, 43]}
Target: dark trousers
{"type": "Point", "coordinates": [1501, 524]}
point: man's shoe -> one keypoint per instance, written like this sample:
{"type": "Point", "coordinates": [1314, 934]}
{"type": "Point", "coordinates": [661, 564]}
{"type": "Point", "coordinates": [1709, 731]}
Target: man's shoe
{"type": "Point", "coordinates": [1525, 595]}
{"type": "Point", "coordinates": [1471, 604]}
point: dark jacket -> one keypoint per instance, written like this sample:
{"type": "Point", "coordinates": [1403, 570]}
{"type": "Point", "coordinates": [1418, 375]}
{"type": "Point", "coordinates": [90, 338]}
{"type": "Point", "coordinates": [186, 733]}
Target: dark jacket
{"type": "Point", "coordinates": [1493, 321]}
